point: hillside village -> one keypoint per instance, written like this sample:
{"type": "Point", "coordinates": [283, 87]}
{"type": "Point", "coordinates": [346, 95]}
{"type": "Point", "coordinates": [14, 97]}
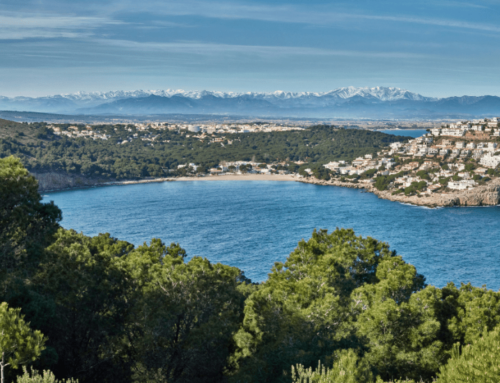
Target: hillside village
{"type": "Point", "coordinates": [458, 156]}
{"type": "Point", "coordinates": [453, 157]}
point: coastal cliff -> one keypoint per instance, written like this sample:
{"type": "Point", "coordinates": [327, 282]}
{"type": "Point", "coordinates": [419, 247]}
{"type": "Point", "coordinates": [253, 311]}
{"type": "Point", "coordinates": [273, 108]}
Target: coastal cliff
{"type": "Point", "coordinates": [52, 181]}
{"type": "Point", "coordinates": [487, 195]}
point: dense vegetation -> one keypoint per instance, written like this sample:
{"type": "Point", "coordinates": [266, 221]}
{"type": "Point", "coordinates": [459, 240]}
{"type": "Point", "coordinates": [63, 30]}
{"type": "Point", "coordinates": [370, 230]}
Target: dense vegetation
{"type": "Point", "coordinates": [40, 150]}
{"type": "Point", "coordinates": [112, 312]}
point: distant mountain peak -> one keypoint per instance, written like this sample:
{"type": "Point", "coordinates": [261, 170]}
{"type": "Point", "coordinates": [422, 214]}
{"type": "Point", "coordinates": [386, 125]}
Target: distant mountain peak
{"type": "Point", "coordinates": [381, 93]}
{"type": "Point", "coordinates": [345, 102]}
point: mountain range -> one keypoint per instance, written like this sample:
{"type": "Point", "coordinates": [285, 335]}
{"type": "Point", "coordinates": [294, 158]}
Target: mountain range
{"type": "Point", "coordinates": [348, 102]}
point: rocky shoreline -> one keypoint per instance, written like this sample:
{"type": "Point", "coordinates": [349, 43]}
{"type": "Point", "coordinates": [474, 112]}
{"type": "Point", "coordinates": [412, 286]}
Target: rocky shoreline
{"type": "Point", "coordinates": [487, 195]}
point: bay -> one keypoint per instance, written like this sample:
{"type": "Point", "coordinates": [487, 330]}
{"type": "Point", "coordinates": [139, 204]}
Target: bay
{"type": "Point", "coordinates": [405, 132]}
{"type": "Point", "coordinates": [252, 224]}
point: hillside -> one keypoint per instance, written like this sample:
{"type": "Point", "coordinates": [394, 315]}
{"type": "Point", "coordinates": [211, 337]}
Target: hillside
{"type": "Point", "coordinates": [21, 132]}
{"type": "Point", "coordinates": [158, 153]}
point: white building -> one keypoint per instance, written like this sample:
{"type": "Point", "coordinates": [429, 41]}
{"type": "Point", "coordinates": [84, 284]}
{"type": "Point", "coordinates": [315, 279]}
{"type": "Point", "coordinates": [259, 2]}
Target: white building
{"type": "Point", "coordinates": [452, 132]}
{"type": "Point", "coordinates": [490, 161]}
{"type": "Point", "coordinates": [461, 185]}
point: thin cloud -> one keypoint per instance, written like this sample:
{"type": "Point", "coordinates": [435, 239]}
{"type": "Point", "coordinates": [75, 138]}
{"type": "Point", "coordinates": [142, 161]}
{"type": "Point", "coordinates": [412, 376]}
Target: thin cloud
{"type": "Point", "coordinates": [212, 49]}
{"type": "Point", "coordinates": [17, 27]}
{"type": "Point", "coordinates": [293, 14]}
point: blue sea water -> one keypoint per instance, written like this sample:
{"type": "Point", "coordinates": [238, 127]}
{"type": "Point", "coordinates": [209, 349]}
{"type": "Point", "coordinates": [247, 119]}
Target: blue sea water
{"type": "Point", "coordinates": [406, 132]}
{"type": "Point", "coordinates": [252, 224]}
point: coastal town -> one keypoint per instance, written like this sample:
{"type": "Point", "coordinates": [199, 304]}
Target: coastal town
{"type": "Point", "coordinates": [454, 157]}
{"type": "Point", "coordinates": [458, 156]}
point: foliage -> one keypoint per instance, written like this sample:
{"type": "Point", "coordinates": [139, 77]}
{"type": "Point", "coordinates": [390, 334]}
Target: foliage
{"type": "Point", "coordinates": [470, 166]}
{"type": "Point", "coordinates": [382, 182]}
{"type": "Point", "coordinates": [444, 181]}
{"type": "Point", "coordinates": [303, 312]}
{"type": "Point", "coordinates": [137, 159]}
{"type": "Point", "coordinates": [82, 288]}
{"type": "Point", "coordinates": [414, 187]}
{"type": "Point", "coordinates": [348, 368]}
{"type": "Point", "coordinates": [321, 173]}
{"type": "Point", "coordinates": [26, 224]}
{"type": "Point", "coordinates": [116, 313]}
{"type": "Point", "coordinates": [477, 362]}
{"type": "Point", "coordinates": [19, 344]}
{"type": "Point", "coordinates": [423, 174]}
{"type": "Point", "coordinates": [187, 314]}
{"type": "Point", "coordinates": [45, 377]}
{"type": "Point", "coordinates": [369, 173]}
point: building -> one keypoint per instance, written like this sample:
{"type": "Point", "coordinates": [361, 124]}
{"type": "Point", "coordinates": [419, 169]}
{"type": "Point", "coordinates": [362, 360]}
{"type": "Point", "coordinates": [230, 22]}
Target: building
{"type": "Point", "coordinates": [490, 161]}
{"type": "Point", "coordinates": [461, 185]}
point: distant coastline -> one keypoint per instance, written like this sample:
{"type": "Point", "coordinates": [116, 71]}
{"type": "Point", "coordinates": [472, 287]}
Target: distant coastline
{"type": "Point", "coordinates": [243, 177]}
{"type": "Point", "coordinates": [487, 195]}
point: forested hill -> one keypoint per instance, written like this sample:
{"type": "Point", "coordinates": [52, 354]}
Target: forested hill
{"type": "Point", "coordinates": [141, 156]}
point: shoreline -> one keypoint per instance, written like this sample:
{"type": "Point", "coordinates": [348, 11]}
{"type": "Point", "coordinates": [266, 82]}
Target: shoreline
{"type": "Point", "coordinates": [487, 195]}
{"type": "Point", "coordinates": [242, 177]}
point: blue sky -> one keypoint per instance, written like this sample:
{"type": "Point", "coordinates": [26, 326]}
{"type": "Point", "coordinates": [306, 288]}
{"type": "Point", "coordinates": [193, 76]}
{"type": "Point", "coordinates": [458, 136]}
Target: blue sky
{"type": "Point", "coordinates": [436, 48]}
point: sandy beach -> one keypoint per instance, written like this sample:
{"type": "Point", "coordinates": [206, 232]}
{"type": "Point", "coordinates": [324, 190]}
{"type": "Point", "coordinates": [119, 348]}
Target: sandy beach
{"type": "Point", "coordinates": [242, 177]}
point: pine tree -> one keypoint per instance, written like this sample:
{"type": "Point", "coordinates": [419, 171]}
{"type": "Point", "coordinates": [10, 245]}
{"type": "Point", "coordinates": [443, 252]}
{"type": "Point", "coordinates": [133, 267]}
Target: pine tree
{"type": "Point", "coordinates": [478, 362]}
{"type": "Point", "coordinates": [19, 344]}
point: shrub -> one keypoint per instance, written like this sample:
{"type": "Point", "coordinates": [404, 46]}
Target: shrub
{"type": "Point", "coordinates": [423, 174]}
{"type": "Point", "coordinates": [347, 369]}
{"type": "Point", "coordinates": [470, 166]}
{"type": "Point", "coordinates": [35, 377]}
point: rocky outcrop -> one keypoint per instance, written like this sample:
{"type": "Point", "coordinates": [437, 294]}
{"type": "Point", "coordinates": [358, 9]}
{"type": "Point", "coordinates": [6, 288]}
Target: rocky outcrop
{"type": "Point", "coordinates": [51, 181]}
{"type": "Point", "coordinates": [334, 183]}
{"type": "Point", "coordinates": [486, 195]}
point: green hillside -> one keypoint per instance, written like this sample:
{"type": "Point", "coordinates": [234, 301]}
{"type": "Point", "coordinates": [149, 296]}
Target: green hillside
{"type": "Point", "coordinates": [41, 150]}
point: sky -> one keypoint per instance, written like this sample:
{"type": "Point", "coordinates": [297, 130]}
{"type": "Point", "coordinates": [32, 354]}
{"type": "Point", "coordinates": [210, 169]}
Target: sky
{"type": "Point", "coordinates": [432, 47]}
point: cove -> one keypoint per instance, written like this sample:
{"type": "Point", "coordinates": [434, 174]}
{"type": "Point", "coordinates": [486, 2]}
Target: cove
{"type": "Point", "coordinates": [252, 224]}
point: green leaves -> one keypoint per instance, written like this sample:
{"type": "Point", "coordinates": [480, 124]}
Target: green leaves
{"type": "Point", "coordinates": [303, 312]}
{"type": "Point", "coordinates": [19, 344]}
{"type": "Point", "coordinates": [186, 315]}
{"type": "Point", "coordinates": [45, 377]}
{"type": "Point", "coordinates": [476, 362]}
{"type": "Point", "coordinates": [347, 368]}
{"type": "Point", "coordinates": [26, 225]}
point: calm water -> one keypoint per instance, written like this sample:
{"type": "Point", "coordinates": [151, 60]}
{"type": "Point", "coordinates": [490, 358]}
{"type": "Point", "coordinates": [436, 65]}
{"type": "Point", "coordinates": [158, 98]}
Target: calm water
{"type": "Point", "coordinates": [252, 224]}
{"type": "Point", "coordinates": [409, 133]}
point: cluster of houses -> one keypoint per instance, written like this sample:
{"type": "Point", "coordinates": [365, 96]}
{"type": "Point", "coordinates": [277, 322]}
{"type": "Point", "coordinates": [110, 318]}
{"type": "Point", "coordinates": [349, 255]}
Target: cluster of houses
{"type": "Point", "coordinates": [200, 132]}
{"type": "Point", "coordinates": [442, 154]}
{"type": "Point", "coordinates": [75, 132]}
{"type": "Point", "coordinates": [233, 128]}
{"type": "Point", "coordinates": [235, 167]}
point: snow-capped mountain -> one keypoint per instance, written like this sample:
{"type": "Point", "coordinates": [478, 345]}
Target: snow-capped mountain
{"type": "Point", "coordinates": [377, 102]}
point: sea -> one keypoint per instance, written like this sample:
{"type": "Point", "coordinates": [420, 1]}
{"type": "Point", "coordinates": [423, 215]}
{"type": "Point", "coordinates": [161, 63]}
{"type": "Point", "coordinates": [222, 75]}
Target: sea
{"type": "Point", "coordinates": [405, 132]}
{"type": "Point", "coordinates": [253, 224]}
